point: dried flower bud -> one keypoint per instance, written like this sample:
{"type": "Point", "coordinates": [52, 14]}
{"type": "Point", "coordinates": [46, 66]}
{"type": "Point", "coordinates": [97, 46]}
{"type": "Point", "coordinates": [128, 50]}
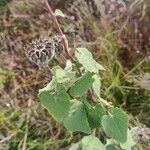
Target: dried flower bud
{"type": "Point", "coordinates": [58, 44]}
{"type": "Point", "coordinates": [41, 51]}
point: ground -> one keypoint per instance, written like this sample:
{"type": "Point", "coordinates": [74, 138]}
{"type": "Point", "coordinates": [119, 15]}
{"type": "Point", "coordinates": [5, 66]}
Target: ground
{"type": "Point", "coordinates": [119, 40]}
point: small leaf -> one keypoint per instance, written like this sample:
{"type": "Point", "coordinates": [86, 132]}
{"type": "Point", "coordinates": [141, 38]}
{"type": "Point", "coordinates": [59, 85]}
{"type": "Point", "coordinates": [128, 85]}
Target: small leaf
{"type": "Point", "coordinates": [129, 143]}
{"type": "Point", "coordinates": [95, 116]}
{"type": "Point", "coordinates": [92, 143]}
{"type": "Point", "coordinates": [76, 119]}
{"type": "Point", "coordinates": [58, 12]}
{"type": "Point", "coordinates": [60, 73]}
{"type": "Point", "coordinates": [86, 59]}
{"type": "Point", "coordinates": [82, 85]}
{"type": "Point", "coordinates": [115, 126]}
{"type": "Point", "coordinates": [96, 85]}
{"type": "Point", "coordinates": [62, 76]}
{"type": "Point", "coordinates": [58, 104]}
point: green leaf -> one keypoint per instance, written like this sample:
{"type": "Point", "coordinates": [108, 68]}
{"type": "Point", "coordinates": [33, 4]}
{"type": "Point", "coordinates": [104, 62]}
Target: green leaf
{"type": "Point", "coordinates": [76, 119]}
{"type": "Point", "coordinates": [134, 148]}
{"type": "Point", "coordinates": [62, 76]}
{"type": "Point", "coordinates": [91, 143]}
{"type": "Point", "coordinates": [115, 126]}
{"type": "Point", "coordinates": [129, 143]}
{"type": "Point", "coordinates": [110, 147]}
{"type": "Point", "coordinates": [86, 59]}
{"type": "Point", "coordinates": [50, 86]}
{"type": "Point", "coordinates": [58, 12]}
{"type": "Point", "coordinates": [95, 116]}
{"type": "Point", "coordinates": [96, 85]}
{"type": "Point", "coordinates": [60, 73]}
{"type": "Point", "coordinates": [82, 85]}
{"type": "Point", "coordinates": [57, 104]}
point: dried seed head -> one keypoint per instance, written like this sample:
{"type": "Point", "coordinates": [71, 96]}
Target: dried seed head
{"type": "Point", "coordinates": [41, 51]}
{"type": "Point", "coordinates": [58, 44]}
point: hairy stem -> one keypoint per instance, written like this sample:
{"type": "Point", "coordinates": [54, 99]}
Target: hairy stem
{"type": "Point", "coordinates": [64, 40]}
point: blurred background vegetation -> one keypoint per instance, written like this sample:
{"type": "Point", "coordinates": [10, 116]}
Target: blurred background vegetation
{"type": "Point", "coordinates": [116, 32]}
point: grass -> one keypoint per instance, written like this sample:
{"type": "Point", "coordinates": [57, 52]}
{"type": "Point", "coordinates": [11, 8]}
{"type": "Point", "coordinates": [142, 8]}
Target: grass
{"type": "Point", "coordinates": [23, 122]}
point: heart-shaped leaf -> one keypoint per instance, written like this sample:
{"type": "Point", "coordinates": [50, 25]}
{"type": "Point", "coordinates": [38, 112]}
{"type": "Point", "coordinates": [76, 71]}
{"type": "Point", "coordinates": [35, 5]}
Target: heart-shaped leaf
{"type": "Point", "coordinates": [76, 119]}
{"type": "Point", "coordinates": [115, 126]}
{"type": "Point", "coordinates": [86, 59]}
{"type": "Point", "coordinates": [95, 115]}
{"type": "Point", "coordinates": [82, 85]}
{"type": "Point", "coordinates": [58, 104]}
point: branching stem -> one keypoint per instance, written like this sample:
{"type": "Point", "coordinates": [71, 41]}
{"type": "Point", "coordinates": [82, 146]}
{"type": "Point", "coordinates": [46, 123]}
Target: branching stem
{"type": "Point", "coordinates": [50, 13]}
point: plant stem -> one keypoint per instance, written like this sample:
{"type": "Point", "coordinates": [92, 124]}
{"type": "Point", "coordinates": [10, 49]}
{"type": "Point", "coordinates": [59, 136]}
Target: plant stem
{"type": "Point", "coordinates": [50, 13]}
{"type": "Point", "coordinates": [64, 40]}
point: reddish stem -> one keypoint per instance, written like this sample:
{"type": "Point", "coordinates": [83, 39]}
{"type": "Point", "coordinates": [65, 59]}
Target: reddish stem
{"type": "Point", "coordinates": [50, 13]}
{"type": "Point", "coordinates": [64, 40]}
